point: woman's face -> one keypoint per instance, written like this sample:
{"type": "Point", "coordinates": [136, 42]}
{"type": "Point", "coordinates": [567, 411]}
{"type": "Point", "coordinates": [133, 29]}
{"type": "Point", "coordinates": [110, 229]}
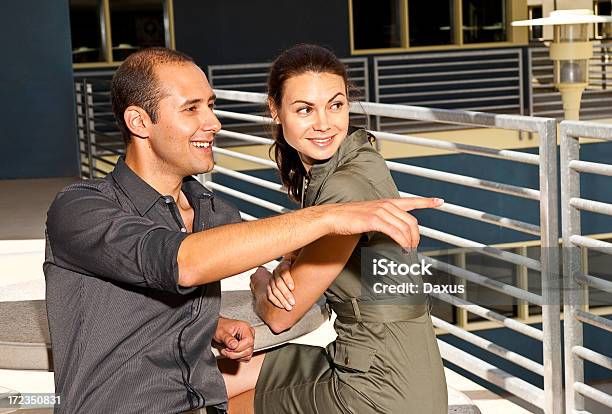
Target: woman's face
{"type": "Point", "coordinates": [314, 115]}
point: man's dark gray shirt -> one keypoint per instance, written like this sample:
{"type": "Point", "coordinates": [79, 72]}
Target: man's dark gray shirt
{"type": "Point", "coordinates": [126, 337]}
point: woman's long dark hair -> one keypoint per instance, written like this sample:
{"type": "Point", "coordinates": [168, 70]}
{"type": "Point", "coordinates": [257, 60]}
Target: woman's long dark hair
{"type": "Point", "coordinates": [293, 62]}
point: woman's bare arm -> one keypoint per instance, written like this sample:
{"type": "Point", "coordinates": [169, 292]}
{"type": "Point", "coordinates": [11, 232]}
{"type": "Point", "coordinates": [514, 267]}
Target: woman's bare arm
{"type": "Point", "coordinates": [313, 271]}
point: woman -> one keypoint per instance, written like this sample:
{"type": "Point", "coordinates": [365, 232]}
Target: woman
{"type": "Point", "coordinates": [385, 358]}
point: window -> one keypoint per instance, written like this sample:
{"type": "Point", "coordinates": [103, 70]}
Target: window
{"type": "Point", "coordinates": [535, 32]}
{"type": "Point", "coordinates": [377, 24]}
{"type": "Point", "coordinates": [135, 25]}
{"type": "Point", "coordinates": [484, 21]}
{"type": "Point", "coordinates": [603, 8]}
{"type": "Point", "coordinates": [85, 31]}
{"type": "Point", "coordinates": [430, 22]}
{"type": "Point", "coordinates": [393, 25]}
{"type": "Point", "coordinates": [107, 31]}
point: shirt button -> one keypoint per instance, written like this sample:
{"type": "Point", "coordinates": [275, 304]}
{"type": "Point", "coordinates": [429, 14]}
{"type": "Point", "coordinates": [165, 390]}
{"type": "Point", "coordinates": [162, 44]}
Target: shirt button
{"type": "Point", "coordinates": [347, 360]}
{"type": "Point", "coordinates": [167, 200]}
{"type": "Point", "coordinates": [183, 229]}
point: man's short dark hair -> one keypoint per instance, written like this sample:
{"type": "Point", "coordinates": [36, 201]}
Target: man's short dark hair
{"type": "Point", "coordinates": [135, 83]}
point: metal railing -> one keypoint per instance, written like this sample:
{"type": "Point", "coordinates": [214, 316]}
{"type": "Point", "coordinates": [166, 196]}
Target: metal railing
{"type": "Point", "coordinates": [546, 229]}
{"type": "Point", "coordinates": [577, 279]}
{"type": "Point", "coordinates": [545, 100]}
{"type": "Point", "coordinates": [99, 139]}
{"type": "Point", "coordinates": [100, 143]}
{"type": "Point", "coordinates": [482, 80]}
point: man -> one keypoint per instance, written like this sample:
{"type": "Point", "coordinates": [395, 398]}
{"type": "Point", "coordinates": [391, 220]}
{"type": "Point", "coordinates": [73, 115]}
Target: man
{"type": "Point", "coordinates": [133, 261]}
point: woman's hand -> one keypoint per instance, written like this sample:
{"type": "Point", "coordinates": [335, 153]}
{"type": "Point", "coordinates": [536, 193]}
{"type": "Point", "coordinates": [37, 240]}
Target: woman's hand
{"type": "Point", "coordinates": [281, 284]}
{"type": "Point", "coordinates": [259, 281]}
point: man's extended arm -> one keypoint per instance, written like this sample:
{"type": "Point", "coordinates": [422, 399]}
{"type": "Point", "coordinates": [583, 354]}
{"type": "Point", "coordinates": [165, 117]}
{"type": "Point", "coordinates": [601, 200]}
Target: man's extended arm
{"type": "Point", "coordinates": [227, 250]}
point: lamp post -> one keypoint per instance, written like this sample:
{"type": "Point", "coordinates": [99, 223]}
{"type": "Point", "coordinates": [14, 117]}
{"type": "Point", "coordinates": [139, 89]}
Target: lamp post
{"type": "Point", "coordinates": [570, 51]}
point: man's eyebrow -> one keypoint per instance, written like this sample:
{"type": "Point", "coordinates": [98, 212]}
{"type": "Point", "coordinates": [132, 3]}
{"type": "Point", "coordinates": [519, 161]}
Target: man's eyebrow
{"type": "Point", "coordinates": [191, 102]}
{"type": "Point", "coordinates": [213, 97]}
{"type": "Point", "coordinates": [311, 104]}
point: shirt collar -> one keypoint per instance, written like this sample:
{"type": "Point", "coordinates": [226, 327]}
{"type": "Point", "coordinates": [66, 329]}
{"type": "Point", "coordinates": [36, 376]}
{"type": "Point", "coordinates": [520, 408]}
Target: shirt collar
{"type": "Point", "coordinates": [143, 195]}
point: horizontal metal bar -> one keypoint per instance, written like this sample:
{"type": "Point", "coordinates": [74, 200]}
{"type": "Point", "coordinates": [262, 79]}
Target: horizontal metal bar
{"type": "Point", "coordinates": [451, 82]}
{"type": "Point", "coordinates": [240, 96]}
{"type": "Point", "coordinates": [445, 64]}
{"type": "Point", "coordinates": [245, 157]}
{"type": "Point", "coordinates": [595, 282]}
{"type": "Point", "coordinates": [244, 137]}
{"type": "Point", "coordinates": [264, 120]}
{"type": "Point", "coordinates": [109, 135]}
{"type": "Point", "coordinates": [263, 74]}
{"type": "Point", "coordinates": [106, 148]}
{"type": "Point", "coordinates": [492, 374]}
{"type": "Point", "coordinates": [102, 160]}
{"type": "Point", "coordinates": [594, 320]}
{"type": "Point", "coordinates": [246, 197]}
{"type": "Point", "coordinates": [462, 117]}
{"type": "Point", "coordinates": [250, 179]}
{"type": "Point", "coordinates": [445, 73]}
{"type": "Point", "coordinates": [493, 316]}
{"type": "Point", "coordinates": [247, 217]}
{"type": "Point", "coordinates": [457, 147]}
{"type": "Point", "coordinates": [591, 167]}
{"type": "Point", "coordinates": [484, 217]}
{"type": "Point", "coordinates": [592, 356]}
{"type": "Point", "coordinates": [384, 122]}
{"type": "Point", "coordinates": [587, 129]}
{"type": "Point", "coordinates": [593, 393]}
{"type": "Point", "coordinates": [593, 244]}
{"type": "Point", "coordinates": [451, 92]}
{"type": "Point", "coordinates": [485, 281]}
{"type": "Point", "coordinates": [513, 122]}
{"type": "Point", "coordinates": [489, 346]}
{"type": "Point", "coordinates": [450, 101]}
{"type": "Point", "coordinates": [463, 54]}
{"type": "Point", "coordinates": [262, 85]}
{"type": "Point", "coordinates": [465, 180]}
{"type": "Point", "coordinates": [591, 205]}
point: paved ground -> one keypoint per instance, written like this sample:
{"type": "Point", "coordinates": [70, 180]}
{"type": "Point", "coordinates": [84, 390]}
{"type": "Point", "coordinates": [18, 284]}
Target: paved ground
{"type": "Point", "coordinates": [24, 204]}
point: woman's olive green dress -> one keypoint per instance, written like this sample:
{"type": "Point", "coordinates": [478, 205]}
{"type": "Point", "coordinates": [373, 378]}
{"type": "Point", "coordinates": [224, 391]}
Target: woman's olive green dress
{"type": "Point", "coordinates": [385, 359]}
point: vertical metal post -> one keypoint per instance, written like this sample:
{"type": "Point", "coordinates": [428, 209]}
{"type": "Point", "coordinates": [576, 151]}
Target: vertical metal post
{"type": "Point", "coordinates": [584, 268]}
{"type": "Point", "coordinates": [570, 187]}
{"type": "Point", "coordinates": [78, 88]}
{"type": "Point", "coordinates": [549, 226]}
{"type": "Point", "coordinates": [521, 82]}
{"type": "Point", "coordinates": [529, 80]}
{"type": "Point", "coordinates": [376, 92]}
{"type": "Point", "coordinates": [461, 315]}
{"type": "Point", "coordinates": [92, 130]}
{"type": "Point", "coordinates": [522, 279]}
{"type": "Point", "coordinates": [86, 111]}
{"type": "Point", "coordinates": [366, 88]}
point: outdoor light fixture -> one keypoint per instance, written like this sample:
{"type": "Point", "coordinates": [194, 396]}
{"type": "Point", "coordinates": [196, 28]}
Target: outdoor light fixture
{"type": "Point", "coordinates": [570, 51]}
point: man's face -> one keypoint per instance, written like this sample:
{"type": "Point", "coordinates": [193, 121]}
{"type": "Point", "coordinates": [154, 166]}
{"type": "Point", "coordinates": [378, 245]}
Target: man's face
{"type": "Point", "coordinates": [183, 136]}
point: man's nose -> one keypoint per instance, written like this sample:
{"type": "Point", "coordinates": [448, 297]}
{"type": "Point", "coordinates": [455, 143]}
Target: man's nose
{"type": "Point", "coordinates": [210, 122]}
{"type": "Point", "coordinates": [321, 122]}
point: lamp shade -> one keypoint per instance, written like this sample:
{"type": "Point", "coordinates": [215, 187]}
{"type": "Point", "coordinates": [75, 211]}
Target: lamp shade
{"type": "Point", "coordinates": [559, 17]}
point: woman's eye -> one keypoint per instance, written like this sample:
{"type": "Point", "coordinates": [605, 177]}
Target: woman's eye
{"type": "Point", "coordinates": [191, 109]}
{"type": "Point", "coordinates": [304, 111]}
{"type": "Point", "coordinates": [337, 106]}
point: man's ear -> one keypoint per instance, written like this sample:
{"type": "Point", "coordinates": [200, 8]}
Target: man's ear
{"type": "Point", "coordinates": [273, 111]}
{"type": "Point", "coordinates": [137, 121]}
